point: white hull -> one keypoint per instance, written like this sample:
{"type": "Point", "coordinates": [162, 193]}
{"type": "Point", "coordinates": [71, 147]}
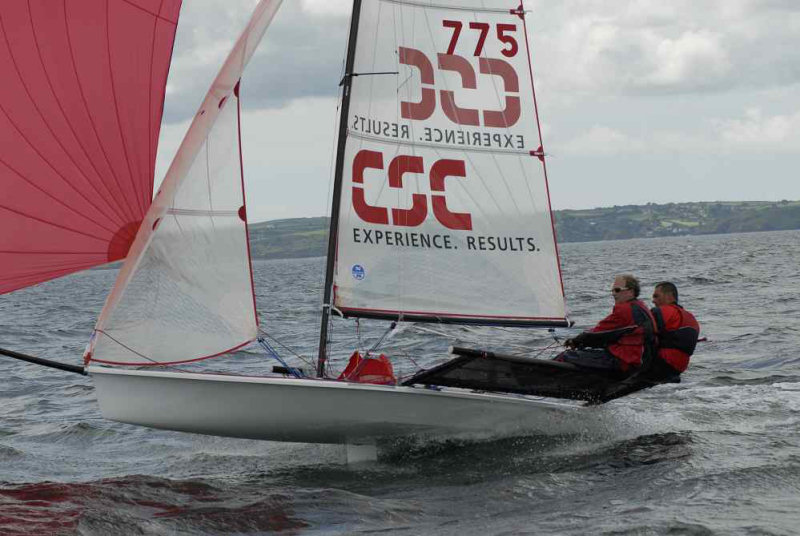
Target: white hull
{"type": "Point", "coordinates": [320, 411]}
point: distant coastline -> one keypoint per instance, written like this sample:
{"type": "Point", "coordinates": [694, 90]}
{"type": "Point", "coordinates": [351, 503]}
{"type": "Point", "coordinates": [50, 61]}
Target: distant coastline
{"type": "Point", "coordinates": [307, 237]}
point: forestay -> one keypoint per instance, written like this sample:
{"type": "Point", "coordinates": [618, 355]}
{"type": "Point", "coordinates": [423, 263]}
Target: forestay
{"type": "Point", "coordinates": [444, 208]}
{"type": "Point", "coordinates": [185, 292]}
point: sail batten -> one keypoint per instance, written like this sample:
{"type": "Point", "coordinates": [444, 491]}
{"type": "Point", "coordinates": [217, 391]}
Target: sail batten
{"type": "Point", "coordinates": [440, 147]}
{"type": "Point", "coordinates": [457, 6]}
{"type": "Point", "coordinates": [445, 212]}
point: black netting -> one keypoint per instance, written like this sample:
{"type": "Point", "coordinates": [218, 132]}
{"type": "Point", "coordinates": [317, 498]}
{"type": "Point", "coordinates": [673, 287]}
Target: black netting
{"type": "Point", "coordinates": [487, 371]}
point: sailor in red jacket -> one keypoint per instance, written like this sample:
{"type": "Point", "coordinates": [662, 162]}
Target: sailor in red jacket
{"type": "Point", "coordinates": [678, 329]}
{"type": "Point", "coordinates": [619, 341]}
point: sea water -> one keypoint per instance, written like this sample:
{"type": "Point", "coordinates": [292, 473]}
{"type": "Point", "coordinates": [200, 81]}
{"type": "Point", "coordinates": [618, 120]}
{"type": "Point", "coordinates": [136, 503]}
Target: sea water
{"type": "Point", "coordinates": [717, 454]}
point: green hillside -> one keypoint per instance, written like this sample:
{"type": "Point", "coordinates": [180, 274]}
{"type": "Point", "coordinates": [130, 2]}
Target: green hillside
{"type": "Point", "coordinates": [289, 239]}
{"type": "Point", "coordinates": [307, 237]}
{"type": "Point", "coordinates": [636, 221]}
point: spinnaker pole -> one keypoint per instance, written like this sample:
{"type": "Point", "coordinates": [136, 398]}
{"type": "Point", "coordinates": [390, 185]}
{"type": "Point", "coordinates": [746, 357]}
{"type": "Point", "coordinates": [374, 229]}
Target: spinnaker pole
{"type": "Point", "coordinates": [44, 362]}
{"type": "Point", "coordinates": [337, 188]}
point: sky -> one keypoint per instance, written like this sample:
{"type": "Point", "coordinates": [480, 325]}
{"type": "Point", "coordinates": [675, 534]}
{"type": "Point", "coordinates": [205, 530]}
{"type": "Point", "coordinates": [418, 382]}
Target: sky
{"type": "Point", "coordinates": [639, 100]}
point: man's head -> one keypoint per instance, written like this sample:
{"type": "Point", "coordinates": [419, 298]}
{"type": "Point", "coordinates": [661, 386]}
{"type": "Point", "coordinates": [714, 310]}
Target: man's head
{"type": "Point", "coordinates": [625, 288]}
{"type": "Point", "coordinates": [665, 293]}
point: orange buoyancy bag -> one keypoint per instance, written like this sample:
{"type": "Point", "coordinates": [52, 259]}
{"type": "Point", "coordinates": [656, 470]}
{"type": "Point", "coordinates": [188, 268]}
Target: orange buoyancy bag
{"type": "Point", "coordinates": [376, 370]}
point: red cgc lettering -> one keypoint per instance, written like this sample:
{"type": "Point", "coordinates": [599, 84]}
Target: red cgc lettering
{"type": "Point", "coordinates": [367, 160]}
{"type": "Point", "coordinates": [414, 216]}
{"type": "Point", "coordinates": [418, 213]}
{"type": "Point", "coordinates": [423, 109]}
{"type": "Point", "coordinates": [510, 114]}
{"type": "Point", "coordinates": [459, 116]}
{"type": "Point", "coordinates": [458, 221]}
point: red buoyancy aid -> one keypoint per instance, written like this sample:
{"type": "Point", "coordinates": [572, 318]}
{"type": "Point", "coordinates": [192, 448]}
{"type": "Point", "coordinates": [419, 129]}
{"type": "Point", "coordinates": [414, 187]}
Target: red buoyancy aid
{"type": "Point", "coordinates": [678, 331]}
{"type": "Point", "coordinates": [376, 370]}
{"type": "Point", "coordinates": [632, 344]}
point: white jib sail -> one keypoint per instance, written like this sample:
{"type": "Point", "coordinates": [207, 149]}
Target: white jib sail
{"type": "Point", "coordinates": [445, 212]}
{"type": "Point", "coordinates": [185, 291]}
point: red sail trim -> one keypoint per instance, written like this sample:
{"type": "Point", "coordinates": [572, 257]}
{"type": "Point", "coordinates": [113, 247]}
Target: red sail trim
{"type": "Point", "coordinates": [521, 11]}
{"type": "Point", "coordinates": [355, 311]}
{"type": "Point", "coordinates": [243, 210]}
{"type": "Point", "coordinates": [160, 364]}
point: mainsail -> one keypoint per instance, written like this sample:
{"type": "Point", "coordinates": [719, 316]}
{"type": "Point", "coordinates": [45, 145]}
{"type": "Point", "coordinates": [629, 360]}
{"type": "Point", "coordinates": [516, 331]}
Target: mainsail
{"type": "Point", "coordinates": [81, 101]}
{"type": "Point", "coordinates": [444, 212]}
{"type": "Point", "coordinates": [185, 291]}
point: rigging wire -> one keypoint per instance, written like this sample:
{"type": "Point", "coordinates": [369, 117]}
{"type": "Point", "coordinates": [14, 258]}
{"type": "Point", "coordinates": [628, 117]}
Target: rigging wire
{"type": "Point", "coordinates": [525, 348]}
{"type": "Point", "coordinates": [377, 344]}
{"type": "Point", "coordinates": [297, 373]}
{"type": "Point", "coordinates": [359, 343]}
{"type": "Point", "coordinates": [414, 362]}
{"type": "Point", "coordinates": [285, 347]}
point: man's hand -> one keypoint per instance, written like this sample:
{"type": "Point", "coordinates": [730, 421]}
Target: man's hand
{"type": "Point", "coordinates": [575, 342]}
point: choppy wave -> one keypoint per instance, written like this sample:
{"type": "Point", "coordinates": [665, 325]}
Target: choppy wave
{"type": "Point", "coordinates": [716, 454]}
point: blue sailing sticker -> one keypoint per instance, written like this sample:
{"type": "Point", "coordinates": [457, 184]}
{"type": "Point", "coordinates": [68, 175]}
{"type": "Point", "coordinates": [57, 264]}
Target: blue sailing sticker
{"type": "Point", "coordinates": [358, 272]}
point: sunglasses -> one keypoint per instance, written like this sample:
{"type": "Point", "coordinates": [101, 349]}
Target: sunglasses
{"type": "Point", "coordinates": [617, 290]}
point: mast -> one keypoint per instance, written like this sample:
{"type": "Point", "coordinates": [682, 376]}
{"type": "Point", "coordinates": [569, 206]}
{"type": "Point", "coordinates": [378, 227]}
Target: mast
{"type": "Point", "coordinates": [337, 188]}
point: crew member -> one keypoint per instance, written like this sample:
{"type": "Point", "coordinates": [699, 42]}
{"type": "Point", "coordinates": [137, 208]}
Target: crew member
{"type": "Point", "coordinates": [678, 329]}
{"type": "Point", "coordinates": [619, 341]}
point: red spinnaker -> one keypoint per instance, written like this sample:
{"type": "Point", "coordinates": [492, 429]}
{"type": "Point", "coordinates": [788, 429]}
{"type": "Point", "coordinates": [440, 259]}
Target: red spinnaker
{"type": "Point", "coordinates": [81, 99]}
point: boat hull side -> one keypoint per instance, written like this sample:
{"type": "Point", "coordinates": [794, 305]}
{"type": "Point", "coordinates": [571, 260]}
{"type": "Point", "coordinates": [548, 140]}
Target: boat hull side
{"type": "Point", "coordinates": [318, 411]}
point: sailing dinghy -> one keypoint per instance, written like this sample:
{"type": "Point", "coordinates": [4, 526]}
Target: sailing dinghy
{"type": "Point", "coordinates": [441, 214]}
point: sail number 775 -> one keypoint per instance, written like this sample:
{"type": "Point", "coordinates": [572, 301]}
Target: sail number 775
{"type": "Point", "coordinates": [503, 32]}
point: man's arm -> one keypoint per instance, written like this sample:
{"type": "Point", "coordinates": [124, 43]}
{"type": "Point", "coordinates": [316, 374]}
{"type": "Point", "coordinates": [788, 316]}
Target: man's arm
{"type": "Point", "coordinates": [600, 339]}
{"type": "Point", "coordinates": [607, 331]}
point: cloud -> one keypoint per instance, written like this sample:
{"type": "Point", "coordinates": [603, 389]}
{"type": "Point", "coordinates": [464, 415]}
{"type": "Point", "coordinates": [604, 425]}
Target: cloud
{"type": "Point", "coordinates": [633, 47]}
{"type": "Point", "coordinates": [606, 47]}
{"type": "Point", "coordinates": [752, 132]}
{"type": "Point", "coordinates": [328, 7]}
{"type": "Point", "coordinates": [692, 56]}
{"type": "Point", "coordinates": [300, 55]}
{"type": "Point", "coordinates": [600, 141]}
{"type": "Point", "coordinates": [689, 94]}
{"type": "Point", "coordinates": [776, 132]}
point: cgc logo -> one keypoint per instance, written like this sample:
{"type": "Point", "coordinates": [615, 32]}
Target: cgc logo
{"type": "Point", "coordinates": [424, 108]}
{"type": "Point", "coordinates": [414, 216]}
